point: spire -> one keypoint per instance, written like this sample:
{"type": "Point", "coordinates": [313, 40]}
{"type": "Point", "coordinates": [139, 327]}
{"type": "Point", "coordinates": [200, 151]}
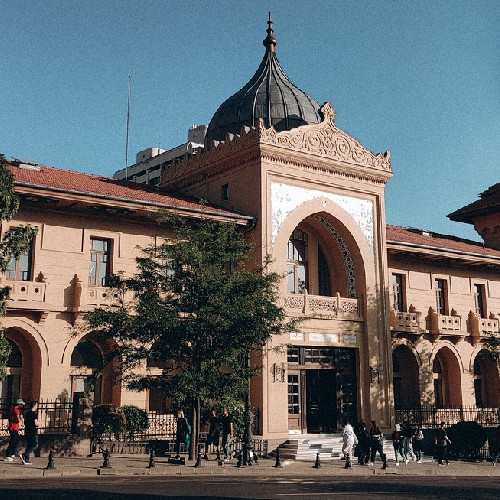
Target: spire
{"type": "Point", "coordinates": [270, 42]}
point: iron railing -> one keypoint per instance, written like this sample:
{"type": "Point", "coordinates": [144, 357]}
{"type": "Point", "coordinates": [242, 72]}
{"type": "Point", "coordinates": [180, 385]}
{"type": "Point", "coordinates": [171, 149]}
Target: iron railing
{"type": "Point", "coordinates": [429, 417]}
{"type": "Point", "coordinates": [54, 416]}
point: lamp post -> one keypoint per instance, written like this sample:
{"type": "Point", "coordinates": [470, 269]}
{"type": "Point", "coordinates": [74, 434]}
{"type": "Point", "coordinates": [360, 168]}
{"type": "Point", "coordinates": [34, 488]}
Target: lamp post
{"type": "Point", "coordinates": [247, 435]}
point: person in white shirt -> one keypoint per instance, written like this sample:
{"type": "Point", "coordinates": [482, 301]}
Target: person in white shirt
{"type": "Point", "coordinates": [349, 442]}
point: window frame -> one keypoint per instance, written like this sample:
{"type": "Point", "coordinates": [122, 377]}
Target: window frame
{"type": "Point", "coordinates": [440, 287]}
{"type": "Point", "coordinates": [398, 292]}
{"type": "Point", "coordinates": [100, 281]}
{"type": "Point", "coordinates": [17, 272]}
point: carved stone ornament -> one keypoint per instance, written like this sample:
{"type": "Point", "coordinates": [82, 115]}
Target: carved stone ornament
{"type": "Point", "coordinates": [327, 140]}
{"type": "Point", "coordinates": [322, 140]}
{"type": "Point", "coordinates": [285, 198]}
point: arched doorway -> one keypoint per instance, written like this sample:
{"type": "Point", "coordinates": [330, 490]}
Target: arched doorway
{"type": "Point", "coordinates": [87, 364]}
{"type": "Point", "coordinates": [447, 379]}
{"type": "Point", "coordinates": [486, 380]}
{"type": "Point", "coordinates": [406, 378]}
{"type": "Point", "coordinates": [10, 388]}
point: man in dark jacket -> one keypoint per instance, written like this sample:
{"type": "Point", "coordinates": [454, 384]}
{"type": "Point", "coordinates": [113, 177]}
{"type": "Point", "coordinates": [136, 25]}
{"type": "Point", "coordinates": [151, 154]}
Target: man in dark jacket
{"type": "Point", "coordinates": [30, 432]}
{"type": "Point", "coordinates": [376, 438]}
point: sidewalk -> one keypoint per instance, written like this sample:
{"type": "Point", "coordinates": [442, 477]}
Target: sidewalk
{"type": "Point", "coordinates": [130, 465]}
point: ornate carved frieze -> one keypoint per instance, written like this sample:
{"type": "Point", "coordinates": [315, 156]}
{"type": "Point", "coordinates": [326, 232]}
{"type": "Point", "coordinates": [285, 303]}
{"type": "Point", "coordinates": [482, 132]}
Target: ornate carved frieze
{"type": "Point", "coordinates": [321, 142]}
{"type": "Point", "coordinates": [285, 198]}
{"type": "Point", "coordinates": [326, 140]}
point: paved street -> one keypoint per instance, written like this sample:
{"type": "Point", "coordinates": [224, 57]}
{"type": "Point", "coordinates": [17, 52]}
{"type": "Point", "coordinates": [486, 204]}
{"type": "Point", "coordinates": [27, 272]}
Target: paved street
{"type": "Point", "coordinates": [130, 478]}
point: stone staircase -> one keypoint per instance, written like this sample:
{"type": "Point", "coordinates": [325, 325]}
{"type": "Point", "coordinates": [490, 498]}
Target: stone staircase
{"type": "Point", "coordinates": [329, 447]}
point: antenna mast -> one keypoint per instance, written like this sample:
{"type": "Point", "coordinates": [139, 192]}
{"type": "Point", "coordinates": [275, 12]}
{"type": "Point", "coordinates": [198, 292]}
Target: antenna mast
{"type": "Point", "coordinates": [128, 128]}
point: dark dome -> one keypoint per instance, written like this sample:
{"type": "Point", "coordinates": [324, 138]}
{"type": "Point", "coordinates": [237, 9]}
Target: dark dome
{"type": "Point", "coordinates": [269, 95]}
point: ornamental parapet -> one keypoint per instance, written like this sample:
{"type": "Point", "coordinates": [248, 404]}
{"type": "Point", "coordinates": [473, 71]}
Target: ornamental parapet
{"type": "Point", "coordinates": [408, 322]}
{"type": "Point", "coordinates": [482, 327]}
{"type": "Point", "coordinates": [320, 306]}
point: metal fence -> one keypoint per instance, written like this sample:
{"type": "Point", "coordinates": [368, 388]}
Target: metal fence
{"type": "Point", "coordinates": [54, 416]}
{"type": "Point", "coordinates": [429, 417]}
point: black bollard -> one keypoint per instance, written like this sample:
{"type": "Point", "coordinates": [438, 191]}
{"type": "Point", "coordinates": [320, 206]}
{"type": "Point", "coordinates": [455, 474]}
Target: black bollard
{"type": "Point", "coordinates": [256, 459]}
{"type": "Point", "coordinates": [106, 455]}
{"type": "Point", "coordinates": [317, 465]}
{"type": "Point", "coordinates": [50, 464]}
{"type": "Point", "coordinates": [219, 461]}
{"type": "Point", "coordinates": [240, 459]}
{"type": "Point", "coordinates": [151, 459]}
{"type": "Point", "coordinates": [278, 463]}
{"type": "Point", "coordinates": [197, 465]}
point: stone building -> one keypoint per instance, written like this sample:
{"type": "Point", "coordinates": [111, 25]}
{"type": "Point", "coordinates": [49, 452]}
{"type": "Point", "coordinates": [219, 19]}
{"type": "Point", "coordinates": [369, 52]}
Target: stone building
{"type": "Point", "coordinates": [393, 317]}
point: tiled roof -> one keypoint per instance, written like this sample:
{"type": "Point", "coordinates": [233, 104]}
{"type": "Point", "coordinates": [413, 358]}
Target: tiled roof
{"type": "Point", "coordinates": [397, 234]}
{"type": "Point", "coordinates": [489, 203]}
{"type": "Point", "coordinates": [98, 185]}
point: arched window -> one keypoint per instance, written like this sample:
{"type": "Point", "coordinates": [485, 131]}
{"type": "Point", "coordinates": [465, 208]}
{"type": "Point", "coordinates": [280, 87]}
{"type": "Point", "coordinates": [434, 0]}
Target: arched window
{"type": "Point", "coordinates": [297, 262]}
{"type": "Point", "coordinates": [439, 392]}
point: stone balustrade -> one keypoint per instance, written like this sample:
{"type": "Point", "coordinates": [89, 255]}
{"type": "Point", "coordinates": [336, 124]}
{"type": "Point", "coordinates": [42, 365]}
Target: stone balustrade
{"type": "Point", "coordinates": [335, 307]}
{"type": "Point", "coordinates": [407, 322]}
{"type": "Point", "coordinates": [26, 291]}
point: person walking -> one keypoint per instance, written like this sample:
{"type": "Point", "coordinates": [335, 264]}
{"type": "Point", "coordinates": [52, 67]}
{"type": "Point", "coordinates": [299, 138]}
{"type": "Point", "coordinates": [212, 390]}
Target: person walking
{"type": "Point", "coordinates": [15, 418]}
{"type": "Point", "coordinates": [407, 431]}
{"type": "Point", "coordinates": [182, 434]}
{"type": "Point", "coordinates": [418, 443]}
{"type": "Point", "coordinates": [397, 443]}
{"type": "Point", "coordinates": [348, 437]}
{"type": "Point", "coordinates": [376, 445]}
{"type": "Point", "coordinates": [30, 432]}
{"type": "Point", "coordinates": [442, 441]}
{"type": "Point", "coordinates": [213, 432]}
{"type": "Point", "coordinates": [363, 445]}
{"type": "Point", "coordinates": [227, 432]}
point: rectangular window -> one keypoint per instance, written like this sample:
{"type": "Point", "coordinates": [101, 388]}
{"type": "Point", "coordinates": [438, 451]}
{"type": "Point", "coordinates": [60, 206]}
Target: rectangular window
{"type": "Point", "coordinates": [479, 300]}
{"type": "Point", "coordinates": [440, 289]}
{"type": "Point", "coordinates": [224, 192]}
{"type": "Point", "coordinates": [293, 394]}
{"type": "Point", "coordinates": [397, 292]}
{"type": "Point", "coordinates": [100, 260]}
{"type": "Point", "coordinates": [21, 269]}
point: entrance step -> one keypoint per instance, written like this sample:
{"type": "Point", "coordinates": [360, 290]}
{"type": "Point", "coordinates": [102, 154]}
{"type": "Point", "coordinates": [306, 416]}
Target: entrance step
{"type": "Point", "coordinates": [288, 449]}
{"type": "Point", "coordinates": [329, 447]}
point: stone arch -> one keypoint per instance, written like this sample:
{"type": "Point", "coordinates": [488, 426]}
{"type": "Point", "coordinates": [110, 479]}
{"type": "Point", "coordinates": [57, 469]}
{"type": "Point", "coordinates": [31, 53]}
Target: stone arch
{"type": "Point", "coordinates": [406, 378]}
{"type": "Point", "coordinates": [347, 228]}
{"type": "Point", "coordinates": [83, 368]}
{"type": "Point", "coordinates": [405, 342]}
{"type": "Point", "coordinates": [447, 367]}
{"type": "Point", "coordinates": [486, 379]}
{"type": "Point", "coordinates": [32, 357]}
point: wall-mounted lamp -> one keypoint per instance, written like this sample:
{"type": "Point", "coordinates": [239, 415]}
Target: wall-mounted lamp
{"type": "Point", "coordinates": [375, 372]}
{"type": "Point", "coordinates": [278, 371]}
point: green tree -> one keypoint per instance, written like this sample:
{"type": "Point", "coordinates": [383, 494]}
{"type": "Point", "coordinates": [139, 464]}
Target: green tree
{"type": "Point", "coordinates": [13, 244]}
{"type": "Point", "coordinates": [198, 311]}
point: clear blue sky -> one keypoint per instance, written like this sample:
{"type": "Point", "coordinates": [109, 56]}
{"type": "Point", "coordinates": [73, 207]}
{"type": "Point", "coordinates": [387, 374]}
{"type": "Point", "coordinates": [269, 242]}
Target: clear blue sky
{"type": "Point", "coordinates": [418, 78]}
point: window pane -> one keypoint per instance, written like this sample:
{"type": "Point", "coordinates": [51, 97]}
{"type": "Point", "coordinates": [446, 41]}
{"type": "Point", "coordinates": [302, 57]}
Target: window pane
{"type": "Point", "coordinates": [290, 278]}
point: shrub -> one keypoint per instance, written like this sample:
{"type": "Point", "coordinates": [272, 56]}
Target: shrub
{"type": "Point", "coordinates": [467, 438]}
{"type": "Point", "coordinates": [107, 421]}
{"type": "Point", "coordinates": [136, 420]}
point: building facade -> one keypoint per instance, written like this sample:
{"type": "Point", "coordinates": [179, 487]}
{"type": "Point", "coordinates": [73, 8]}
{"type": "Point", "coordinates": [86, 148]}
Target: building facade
{"type": "Point", "coordinates": [392, 318]}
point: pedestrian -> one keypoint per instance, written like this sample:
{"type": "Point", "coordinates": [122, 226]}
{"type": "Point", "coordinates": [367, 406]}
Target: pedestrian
{"type": "Point", "coordinates": [442, 441]}
{"type": "Point", "coordinates": [418, 443]}
{"type": "Point", "coordinates": [30, 432]}
{"type": "Point", "coordinates": [15, 418]}
{"type": "Point", "coordinates": [397, 443]}
{"type": "Point", "coordinates": [408, 432]}
{"type": "Point", "coordinates": [182, 435]}
{"type": "Point", "coordinates": [376, 439]}
{"type": "Point", "coordinates": [363, 447]}
{"type": "Point", "coordinates": [349, 441]}
{"type": "Point", "coordinates": [495, 446]}
{"type": "Point", "coordinates": [227, 432]}
{"type": "Point", "coordinates": [213, 432]}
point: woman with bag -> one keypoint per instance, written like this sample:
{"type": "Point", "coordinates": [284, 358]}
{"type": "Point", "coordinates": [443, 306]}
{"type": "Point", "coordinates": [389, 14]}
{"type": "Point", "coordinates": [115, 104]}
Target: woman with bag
{"type": "Point", "coordinates": [442, 441]}
{"type": "Point", "coordinates": [183, 433]}
{"type": "Point", "coordinates": [418, 443]}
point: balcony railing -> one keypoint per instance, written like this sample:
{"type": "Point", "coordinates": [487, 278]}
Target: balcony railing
{"type": "Point", "coordinates": [489, 326]}
{"type": "Point", "coordinates": [449, 324]}
{"type": "Point", "coordinates": [335, 307]}
{"type": "Point", "coordinates": [26, 291]}
{"type": "Point", "coordinates": [95, 296]}
{"type": "Point", "coordinates": [407, 322]}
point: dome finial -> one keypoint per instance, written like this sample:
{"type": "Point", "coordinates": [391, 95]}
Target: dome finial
{"type": "Point", "coordinates": [270, 42]}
